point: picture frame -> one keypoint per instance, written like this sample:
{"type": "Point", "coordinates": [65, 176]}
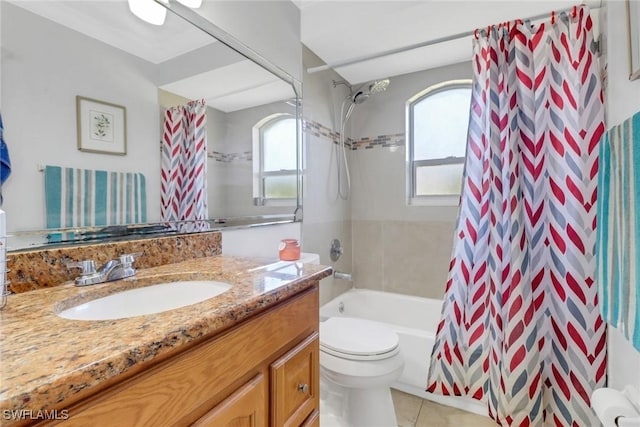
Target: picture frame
{"type": "Point", "coordinates": [633, 17]}
{"type": "Point", "coordinates": [102, 126]}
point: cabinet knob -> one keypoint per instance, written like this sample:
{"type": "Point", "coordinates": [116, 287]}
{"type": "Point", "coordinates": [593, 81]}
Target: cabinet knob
{"type": "Point", "coordinates": [303, 388]}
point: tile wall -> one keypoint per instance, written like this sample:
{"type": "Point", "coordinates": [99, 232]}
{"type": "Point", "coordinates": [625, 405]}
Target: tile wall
{"type": "Point", "coordinates": [396, 247]}
{"type": "Point", "coordinates": [388, 245]}
{"type": "Point", "coordinates": [326, 216]}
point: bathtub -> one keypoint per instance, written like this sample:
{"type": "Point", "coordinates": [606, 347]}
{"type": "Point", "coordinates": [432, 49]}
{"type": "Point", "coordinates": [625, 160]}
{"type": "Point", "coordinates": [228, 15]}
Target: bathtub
{"type": "Point", "coordinates": [415, 320]}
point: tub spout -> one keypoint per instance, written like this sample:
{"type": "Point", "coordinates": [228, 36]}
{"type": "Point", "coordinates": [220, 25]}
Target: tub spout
{"type": "Point", "coordinates": [342, 276]}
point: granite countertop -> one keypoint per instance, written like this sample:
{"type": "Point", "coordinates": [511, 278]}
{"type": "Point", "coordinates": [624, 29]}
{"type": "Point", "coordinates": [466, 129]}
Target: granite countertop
{"type": "Point", "coordinates": [48, 362]}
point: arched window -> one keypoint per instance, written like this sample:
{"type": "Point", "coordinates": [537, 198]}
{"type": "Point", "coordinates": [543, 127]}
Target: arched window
{"type": "Point", "coordinates": [437, 123]}
{"type": "Point", "coordinates": [274, 160]}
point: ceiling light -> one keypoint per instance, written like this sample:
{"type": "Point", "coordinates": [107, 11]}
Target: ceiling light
{"type": "Point", "coordinates": [148, 10]}
{"type": "Point", "coordinates": [194, 4]}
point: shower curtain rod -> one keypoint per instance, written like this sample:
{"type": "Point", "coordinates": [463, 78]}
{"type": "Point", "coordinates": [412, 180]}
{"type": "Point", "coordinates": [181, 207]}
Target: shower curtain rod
{"type": "Point", "coordinates": [597, 4]}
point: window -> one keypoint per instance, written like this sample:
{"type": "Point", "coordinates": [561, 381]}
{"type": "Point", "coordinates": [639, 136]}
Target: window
{"type": "Point", "coordinates": [437, 123]}
{"type": "Point", "coordinates": [275, 160]}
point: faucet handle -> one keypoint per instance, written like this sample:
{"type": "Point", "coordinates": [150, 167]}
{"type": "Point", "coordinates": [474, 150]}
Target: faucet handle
{"type": "Point", "coordinates": [88, 266]}
{"type": "Point", "coordinates": [127, 259]}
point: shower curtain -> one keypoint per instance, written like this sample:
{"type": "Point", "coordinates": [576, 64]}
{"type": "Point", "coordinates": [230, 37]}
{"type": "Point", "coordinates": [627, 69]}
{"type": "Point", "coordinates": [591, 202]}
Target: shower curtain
{"type": "Point", "coordinates": [184, 165]}
{"type": "Point", "coordinates": [520, 327]}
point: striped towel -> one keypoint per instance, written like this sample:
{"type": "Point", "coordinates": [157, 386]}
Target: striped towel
{"type": "Point", "coordinates": [618, 235]}
{"type": "Point", "coordinates": [83, 197]}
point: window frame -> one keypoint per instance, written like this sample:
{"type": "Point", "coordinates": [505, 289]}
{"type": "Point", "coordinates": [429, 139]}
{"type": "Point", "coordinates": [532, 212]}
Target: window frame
{"type": "Point", "coordinates": [259, 174]}
{"type": "Point", "coordinates": [412, 165]}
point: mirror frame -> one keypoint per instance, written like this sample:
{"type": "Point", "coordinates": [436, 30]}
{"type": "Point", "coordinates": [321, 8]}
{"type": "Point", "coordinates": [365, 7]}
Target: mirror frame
{"type": "Point", "coordinates": [25, 240]}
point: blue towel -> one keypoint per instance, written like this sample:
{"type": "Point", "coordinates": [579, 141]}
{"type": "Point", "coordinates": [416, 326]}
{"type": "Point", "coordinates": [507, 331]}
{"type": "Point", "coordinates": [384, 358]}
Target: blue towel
{"type": "Point", "coordinates": [618, 235]}
{"type": "Point", "coordinates": [84, 197]}
{"type": "Point", "coordinates": [5, 161]}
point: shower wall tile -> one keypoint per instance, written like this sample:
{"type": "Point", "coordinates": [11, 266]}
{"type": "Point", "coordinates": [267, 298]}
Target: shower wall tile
{"type": "Point", "coordinates": [317, 129]}
{"type": "Point", "coordinates": [416, 257]}
{"type": "Point", "coordinates": [368, 254]}
{"type": "Point", "coordinates": [380, 141]}
{"type": "Point", "coordinates": [326, 216]}
{"type": "Point", "coordinates": [407, 257]}
{"type": "Point", "coordinates": [317, 238]}
{"type": "Point", "coordinates": [320, 200]}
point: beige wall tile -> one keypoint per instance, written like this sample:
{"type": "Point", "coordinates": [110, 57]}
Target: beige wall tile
{"type": "Point", "coordinates": [316, 238]}
{"type": "Point", "coordinates": [368, 254]}
{"type": "Point", "coordinates": [416, 257]}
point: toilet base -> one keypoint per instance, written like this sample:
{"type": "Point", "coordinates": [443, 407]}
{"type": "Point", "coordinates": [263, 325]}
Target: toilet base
{"type": "Point", "coordinates": [370, 408]}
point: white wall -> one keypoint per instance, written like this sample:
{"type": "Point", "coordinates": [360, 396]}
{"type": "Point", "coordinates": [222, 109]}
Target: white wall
{"type": "Point", "coordinates": [237, 182]}
{"type": "Point", "coordinates": [623, 100]}
{"type": "Point", "coordinates": [396, 247]}
{"type": "Point", "coordinates": [271, 28]}
{"type": "Point", "coordinates": [325, 215]}
{"type": "Point", "coordinates": [39, 109]}
{"type": "Point", "coordinates": [381, 196]}
{"type": "Point", "coordinates": [50, 85]}
{"type": "Point", "coordinates": [262, 242]}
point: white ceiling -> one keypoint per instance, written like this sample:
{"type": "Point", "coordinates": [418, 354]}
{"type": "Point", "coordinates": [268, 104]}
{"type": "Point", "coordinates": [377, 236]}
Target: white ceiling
{"type": "Point", "coordinates": [111, 21]}
{"type": "Point", "coordinates": [344, 30]}
{"type": "Point", "coordinates": [334, 30]}
{"type": "Point", "coordinates": [232, 87]}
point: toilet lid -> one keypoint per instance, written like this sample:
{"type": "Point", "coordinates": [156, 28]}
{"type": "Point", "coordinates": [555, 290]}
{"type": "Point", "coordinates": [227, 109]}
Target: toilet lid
{"type": "Point", "coordinates": [357, 337]}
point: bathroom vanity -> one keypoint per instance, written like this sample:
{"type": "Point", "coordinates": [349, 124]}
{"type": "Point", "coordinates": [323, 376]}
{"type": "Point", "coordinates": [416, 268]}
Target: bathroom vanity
{"type": "Point", "coordinates": [246, 357]}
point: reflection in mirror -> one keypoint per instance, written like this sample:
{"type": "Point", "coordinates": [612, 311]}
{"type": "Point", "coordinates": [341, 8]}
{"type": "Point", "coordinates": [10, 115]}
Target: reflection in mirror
{"type": "Point", "coordinates": [55, 51]}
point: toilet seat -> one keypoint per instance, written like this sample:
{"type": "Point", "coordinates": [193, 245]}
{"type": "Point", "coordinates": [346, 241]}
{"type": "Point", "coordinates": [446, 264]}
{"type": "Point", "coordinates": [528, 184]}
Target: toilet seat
{"type": "Point", "coordinates": [357, 339]}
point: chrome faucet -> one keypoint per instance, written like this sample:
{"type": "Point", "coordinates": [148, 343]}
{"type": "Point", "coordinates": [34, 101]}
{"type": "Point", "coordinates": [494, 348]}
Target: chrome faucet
{"type": "Point", "coordinates": [115, 269]}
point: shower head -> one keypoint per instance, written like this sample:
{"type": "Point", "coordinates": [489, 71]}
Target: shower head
{"type": "Point", "coordinates": [375, 86]}
{"type": "Point", "coordinates": [379, 86]}
{"type": "Point", "coordinates": [360, 97]}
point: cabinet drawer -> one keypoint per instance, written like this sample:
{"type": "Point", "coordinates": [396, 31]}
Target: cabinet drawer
{"type": "Point", "coordinates": [246, 407]}
{"type": "Point", "coordinates": [295, 387]}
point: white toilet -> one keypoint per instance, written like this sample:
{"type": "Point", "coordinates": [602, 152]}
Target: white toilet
{"type": "Point", "coordinates": [362, 359]}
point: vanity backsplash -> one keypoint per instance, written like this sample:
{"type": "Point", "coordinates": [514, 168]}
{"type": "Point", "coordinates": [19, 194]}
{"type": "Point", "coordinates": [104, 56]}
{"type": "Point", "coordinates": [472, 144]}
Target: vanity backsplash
{"type": "Point", "coordinates": [45, 268]}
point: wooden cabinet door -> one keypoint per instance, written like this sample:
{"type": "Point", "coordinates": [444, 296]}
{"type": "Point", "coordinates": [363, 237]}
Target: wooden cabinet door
{"type": "Point", "coordinates": [295, 384]}
{"type": "Point", "coordinates": [246, 407]}
{"type": "Point", "coordinates": [312, 420]}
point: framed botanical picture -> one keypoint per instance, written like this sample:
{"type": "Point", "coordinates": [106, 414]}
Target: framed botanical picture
{"type": "Point", "coordinates": [633, 13]}
{"type": "Point", "coordinates": [102, 126]}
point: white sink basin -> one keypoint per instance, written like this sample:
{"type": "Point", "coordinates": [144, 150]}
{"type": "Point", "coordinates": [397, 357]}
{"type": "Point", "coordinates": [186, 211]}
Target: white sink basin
{"type": "Point", "coordinates": [146, 300]}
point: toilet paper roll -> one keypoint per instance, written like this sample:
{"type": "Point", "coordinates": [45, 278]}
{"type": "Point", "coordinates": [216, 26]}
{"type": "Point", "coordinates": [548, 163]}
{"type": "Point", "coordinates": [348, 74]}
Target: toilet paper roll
{"type": "Point", "coordinates": [609, 404]}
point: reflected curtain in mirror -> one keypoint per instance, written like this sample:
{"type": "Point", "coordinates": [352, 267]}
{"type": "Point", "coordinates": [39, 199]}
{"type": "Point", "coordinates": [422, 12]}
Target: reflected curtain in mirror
{"type": "Point", "coordinates": [184, 163]}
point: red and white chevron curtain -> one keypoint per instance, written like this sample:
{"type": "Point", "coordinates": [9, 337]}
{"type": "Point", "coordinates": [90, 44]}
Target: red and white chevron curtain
{"type": "Point", "coordinates": [184, 165]}
{"type": "Point", "coordinates": [520, 327]}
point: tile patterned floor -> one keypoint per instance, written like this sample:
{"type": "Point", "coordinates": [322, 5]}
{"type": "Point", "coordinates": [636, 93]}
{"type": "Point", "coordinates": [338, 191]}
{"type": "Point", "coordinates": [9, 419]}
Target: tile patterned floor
{"type": "Point", "coordinates": [412, 411]}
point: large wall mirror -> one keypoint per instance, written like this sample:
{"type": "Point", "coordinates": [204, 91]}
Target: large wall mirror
{"type": "Point", "coordinates": [66, 62]}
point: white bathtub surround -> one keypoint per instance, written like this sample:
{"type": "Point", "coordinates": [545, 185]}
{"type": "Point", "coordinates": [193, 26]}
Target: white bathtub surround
{"type": "Point", "coordinates": [415, 320]}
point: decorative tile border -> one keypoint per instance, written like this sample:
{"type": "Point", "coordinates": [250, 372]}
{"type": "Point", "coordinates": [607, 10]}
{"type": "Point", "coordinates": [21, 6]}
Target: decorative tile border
{"type": "Point", "coordinates": [319, 130]}
{"type": "Point", "coordinates": [384, 141]}
{"type": "Point", "coordinates": [230, 157]}
{"type": "Point", "coordinates": [381, 141]}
